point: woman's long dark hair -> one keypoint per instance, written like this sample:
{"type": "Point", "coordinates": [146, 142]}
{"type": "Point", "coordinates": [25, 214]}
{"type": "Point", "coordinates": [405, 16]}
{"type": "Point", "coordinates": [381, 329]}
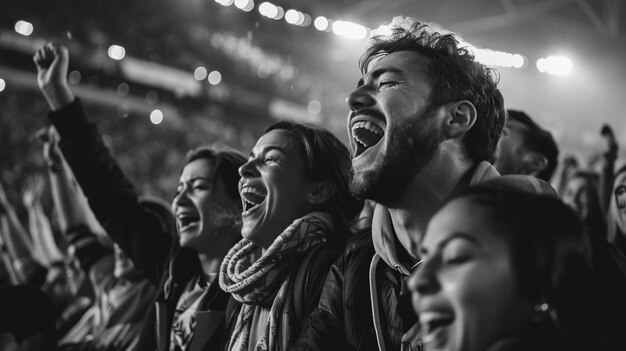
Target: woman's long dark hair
{"type": "Point", "coordinates": [551, 258]}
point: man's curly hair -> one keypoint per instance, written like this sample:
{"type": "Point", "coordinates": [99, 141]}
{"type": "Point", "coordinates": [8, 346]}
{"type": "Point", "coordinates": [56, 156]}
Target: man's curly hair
{"type": "Point", "coordinates": [454, 74]}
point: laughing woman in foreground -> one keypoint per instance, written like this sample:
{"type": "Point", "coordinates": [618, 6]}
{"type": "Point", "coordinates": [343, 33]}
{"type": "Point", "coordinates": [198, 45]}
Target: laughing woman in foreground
{"type": "Point", "coordinates": [294, 190]}
{"type": "Point", "coordinates": [505, 271]}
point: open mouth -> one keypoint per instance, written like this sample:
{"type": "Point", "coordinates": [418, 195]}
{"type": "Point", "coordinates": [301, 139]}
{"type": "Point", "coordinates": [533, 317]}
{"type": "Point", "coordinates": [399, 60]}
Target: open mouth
{"type": "Point", "coordinates": [434, 324]}
{"type": "Point", "coordinates": [187, 219]}
{"type": "Point", "coordinates": [252, 198]}
{"type": "Point", "coordinates": [365, 134]}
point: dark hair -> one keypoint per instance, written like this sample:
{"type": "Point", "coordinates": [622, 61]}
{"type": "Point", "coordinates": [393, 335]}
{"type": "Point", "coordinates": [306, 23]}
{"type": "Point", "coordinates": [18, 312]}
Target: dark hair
{"type": "Point", "coordinates": [596, 220]}
{"type": "Point", "coordinates": [550, 251]}
{"type": "Point", "coordinates": [455, 75]}
{"type": "Point", "coordinates": [226, 163]}
{"type": "Point", "coordinates": [614, 233]}
{"type": "Point", "coordinates": [539, 140]}
{"type": "Point", "coordinates": [162, 210]}
{"type": "Point", "coordinates": [621, 170]}
{"type": "Point", "coordinates": [543, 232]}
{"type": "Point", "coordinates": [325, 158]}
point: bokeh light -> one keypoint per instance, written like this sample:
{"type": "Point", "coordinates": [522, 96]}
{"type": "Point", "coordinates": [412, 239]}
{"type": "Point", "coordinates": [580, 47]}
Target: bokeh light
{"type": "Point", "coordinates": [555, 65]}
{"type": "Point", "coordinates": [349, 30]}
{"type": "Point", "coordinates": [24, 28]}
{"type": "Point", "coordinates": [123, 89]}
{"type": "Point", "coordinates": [499, 58]}
{"type": "Point", "coordinates": [200, 73]}
{"type": "Point", "coordinates": [244, 5]}
{"type": "Point", "coordinates": [321, 23]}
{"type": "Point", "coordinates": [224, 2]}
{"type": "Point", "coordinates": [268, 10]}
{"type": "Point", "coordinates": [156, 117]}
{"type": "Point", "coordinates": [215, 78]}
{"type": "Point", "coordinates": [74, 77]}
{"type": "Point", "coordinates": [291, 16]}
{"type": "Point", "coordinates": [116, 52]}
{"type": "Point", "coordinates": [314, 107]}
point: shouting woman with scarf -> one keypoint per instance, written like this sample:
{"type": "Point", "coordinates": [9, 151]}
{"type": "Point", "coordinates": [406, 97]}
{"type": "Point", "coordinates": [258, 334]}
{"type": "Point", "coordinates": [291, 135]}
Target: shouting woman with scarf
{"type": "Point", "coordinates": [294, 191]}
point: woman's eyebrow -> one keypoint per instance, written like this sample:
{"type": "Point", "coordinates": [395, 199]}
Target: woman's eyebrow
{"type": "Point", "coordinates": [268, 149]}
{"type": "Point", "coordinates": [198, 178]}
{"type": "Point", "coordinates": [459, 235]}
{"type": "Point", "coordinates": [455, 235]}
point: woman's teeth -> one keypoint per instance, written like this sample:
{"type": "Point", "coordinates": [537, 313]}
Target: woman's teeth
{"type": "Point", "coordinates": [252, 197]}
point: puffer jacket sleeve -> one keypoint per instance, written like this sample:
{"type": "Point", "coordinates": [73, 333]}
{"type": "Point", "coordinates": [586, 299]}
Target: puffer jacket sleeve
{"type": "Point", "coordinates": [343, 317]}
{"type": "Point", "coordinates": [111, 196]}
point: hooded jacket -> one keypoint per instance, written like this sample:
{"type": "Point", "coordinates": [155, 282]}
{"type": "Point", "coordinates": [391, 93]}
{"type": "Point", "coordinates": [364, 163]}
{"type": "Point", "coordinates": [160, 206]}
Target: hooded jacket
{"type": "Point", "coordinates": [364, 303]}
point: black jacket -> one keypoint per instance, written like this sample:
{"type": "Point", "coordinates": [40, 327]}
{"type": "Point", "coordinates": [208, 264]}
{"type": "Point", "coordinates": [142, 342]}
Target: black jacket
{"type": "Point", "coordinates": [343, 318]}
{"type": "Point", "coordinates": [137, 231]}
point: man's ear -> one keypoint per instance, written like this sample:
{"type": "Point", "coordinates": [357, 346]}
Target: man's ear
{"type": "Point", "coordinates": [533, 163]}
{"type": "Point", "coordinates": [320, 192]}
{"type": "Point", "coordinates": [460, 118]}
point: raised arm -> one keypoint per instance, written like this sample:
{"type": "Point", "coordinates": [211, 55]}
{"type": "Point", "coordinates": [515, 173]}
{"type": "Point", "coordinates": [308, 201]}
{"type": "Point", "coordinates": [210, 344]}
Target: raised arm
{"type": "Point", "coordinates": [38, 223]}
{"type": "Point", "coordinates": [569, 166]}
{"type": "Point", "coordinates": [52, 62]}
{"type": "Point", "coordinates": [4, 252]}
{"type": "Point", "coordinates": [76, 219]}
{"type": "Point", "coordinates": [609, 156]}
{"type": "Point", "coordinates": [19, 247]}
{"type": "Point", "coordinates": [69, 200]}
{"type": "Point", "coordinates": [111, 196]}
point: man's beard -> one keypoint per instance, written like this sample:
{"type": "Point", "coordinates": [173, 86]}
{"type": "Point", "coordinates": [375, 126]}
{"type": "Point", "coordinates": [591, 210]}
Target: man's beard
{"type": "Point", "coordinates": [411, 146]}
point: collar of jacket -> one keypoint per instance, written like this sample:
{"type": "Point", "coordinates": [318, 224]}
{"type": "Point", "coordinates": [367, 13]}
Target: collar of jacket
{"type": "Point", "coordinates": [384, 237]}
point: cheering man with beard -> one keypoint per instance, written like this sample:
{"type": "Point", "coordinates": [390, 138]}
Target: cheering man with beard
{"type": "Point", "coordinates": [424, 119]}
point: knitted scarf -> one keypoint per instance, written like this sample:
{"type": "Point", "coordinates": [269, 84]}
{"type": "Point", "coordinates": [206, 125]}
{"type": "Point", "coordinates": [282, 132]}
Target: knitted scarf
{"type": "Point", "coordinates": [254, 278]}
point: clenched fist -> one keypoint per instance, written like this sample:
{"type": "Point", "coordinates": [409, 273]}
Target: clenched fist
{"type": "Point", "coordinates": [52, 62]}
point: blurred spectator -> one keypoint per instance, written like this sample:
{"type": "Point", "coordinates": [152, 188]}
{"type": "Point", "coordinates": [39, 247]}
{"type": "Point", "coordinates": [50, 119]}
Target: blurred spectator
{"type": "Point", "coordinates": [617, 211]}
{"type": "Point", "coordinates": [526, 148]}
{"type": "Point", "coordinates": [122, 293]}
{"type": "Point", "coordinates": [581, 192]}
{"type": "Point", "coordinates": [569, 165]}
{"type": "Point", "coordinates": [58, 279]}
{"type": "Point", "coordinates": [8, 276]}
{"type": "Point", "coordinates": [28, 269]}
{"type": "Point", "coordinates": [607, 166]}
{"type": "Point", "coordinates": [44, 245]}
